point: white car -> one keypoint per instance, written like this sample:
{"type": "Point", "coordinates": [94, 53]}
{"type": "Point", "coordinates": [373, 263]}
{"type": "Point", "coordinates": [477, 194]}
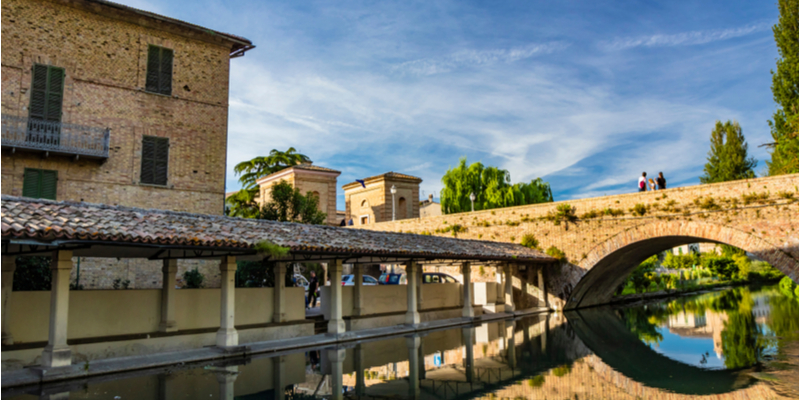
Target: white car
{"type": "Point", "coordinates": [349, 280]}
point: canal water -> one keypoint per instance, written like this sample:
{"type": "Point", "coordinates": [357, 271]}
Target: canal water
{"type": "Point", "coordinates": [739, 343]}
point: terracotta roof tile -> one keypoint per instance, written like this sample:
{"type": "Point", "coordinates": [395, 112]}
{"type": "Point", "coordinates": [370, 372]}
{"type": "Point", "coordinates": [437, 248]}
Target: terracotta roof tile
{"type": "Point", "coordinates": [46, 220]}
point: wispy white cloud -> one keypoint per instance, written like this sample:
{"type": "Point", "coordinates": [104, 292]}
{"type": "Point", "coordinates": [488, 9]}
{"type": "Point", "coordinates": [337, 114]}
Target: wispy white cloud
{"type": "Point", "coordinates": [467, 58]}
{"type": "Point", "coordinates": [684, 38]}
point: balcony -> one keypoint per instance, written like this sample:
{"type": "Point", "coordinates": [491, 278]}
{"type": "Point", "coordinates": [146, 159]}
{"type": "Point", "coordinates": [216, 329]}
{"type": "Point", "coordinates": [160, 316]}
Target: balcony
{"type": "Point", "coordinates": [54, 138]}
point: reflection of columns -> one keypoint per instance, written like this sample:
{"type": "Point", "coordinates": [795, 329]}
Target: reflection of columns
{"type": "Point", "coordinates": [226, 377]}
{"type": "Point", "coordinates": [279, 293]}
{"type": "Point", "coordinates": [509, 288]}
{"type": "Point", "coordinates": [511, 352]}
{"type": "Point", "coordinates": [421, 356]}
{"type": "Point", "coordinates": [467, 290]}
{"type": "Point", "coordinates": [358, 365]}
{"type": "Point", "coordinates": [227, 335]}
{"type": "Point", "coordinates": [9, 265]}
{"type": "Point", "coordinates": [336, 323]}
{"type": "Point", "coordinates": [542, 288]}
{"type": "Point", "coordinates": [412, 315]}
{"type": "Point", "coordinates": [413, 343]}
{"type": "Point", "coordinates": [278, 375]}
{"type": "Point", "coordinates": [169, 270]}
{"type": "Point", "coordinates": [57, 353]}
{"type": "Point", "coordinates": [358, 300]}
{"type": "Point", "coordinates": [336, 358]}
{"type": "Point", "coordinates": [55, 396]}
{"type": "Point", "coordinates": [164, 386]}
{"type": "Point", "coordinates": [467, 336]}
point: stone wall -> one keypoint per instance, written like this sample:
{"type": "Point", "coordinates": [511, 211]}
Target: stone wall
{"type": "Point", "coordinates": [758, 215]}
{"type": "Point", "coordinates": [105, 63]}
{"type": "Point", "coordinates": [100, 273]}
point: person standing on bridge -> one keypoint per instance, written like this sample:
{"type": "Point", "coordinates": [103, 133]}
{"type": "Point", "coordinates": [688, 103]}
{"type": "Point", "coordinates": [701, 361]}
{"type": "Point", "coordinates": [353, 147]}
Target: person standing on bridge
{"type": "Point", "coordinates": [643, 182]}
{"type": "Point", "coordinates": [661, 183]}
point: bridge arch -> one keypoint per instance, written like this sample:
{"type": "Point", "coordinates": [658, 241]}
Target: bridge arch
{"type": "Point", "coordinates": [609, 263]}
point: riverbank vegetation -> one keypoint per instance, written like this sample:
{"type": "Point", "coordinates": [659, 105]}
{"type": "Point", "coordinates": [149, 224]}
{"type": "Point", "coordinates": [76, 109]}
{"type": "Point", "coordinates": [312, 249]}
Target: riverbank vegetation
{"type": "Point", "coordinates": [726, 265]}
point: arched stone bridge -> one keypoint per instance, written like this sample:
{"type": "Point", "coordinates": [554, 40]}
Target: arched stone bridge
{"type": "Point", "coordinates": [613, 234]}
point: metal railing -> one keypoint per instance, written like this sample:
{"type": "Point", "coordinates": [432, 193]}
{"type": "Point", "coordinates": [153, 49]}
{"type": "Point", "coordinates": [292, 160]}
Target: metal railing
{"type": "Point", "coordinates": [54, 137]}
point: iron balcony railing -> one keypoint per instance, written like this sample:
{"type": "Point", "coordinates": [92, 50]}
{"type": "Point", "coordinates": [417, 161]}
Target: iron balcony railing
{"type": "Point", "coordinates": [30, 134]}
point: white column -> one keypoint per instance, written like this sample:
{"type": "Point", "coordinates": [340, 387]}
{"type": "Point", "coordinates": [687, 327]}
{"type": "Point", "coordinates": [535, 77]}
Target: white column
{"type": "Point", "coordinates": [509, 288]}
{"type": "Point", "coordinates": [467, 311]}
{"type": "Point", "coordinates": [412, 314]}
{"type": "Point", "coordinates": [419, 287]}
{"type": "Point", "coordinates": [542, 288]}
{"type": "Point", "coordinates": [278, 375]}
{"type": "Point", "coordinates": [499, 302]}
{"type": "Point", "coordinates": [9, 266]}
{"type": "Point", "coordinates": [279, 293]}
{"type": "Point", "coordinates": [336, 358]}
{"type": "Point", "coordinates": [358, 301]}
{"type": "Point", "coordinates": [57, 353]}
{"type": "Point", "coordinates": [227, 335]}
{"type": "Point", "coordinates": [169, 270]}
{"type": "Point", "coordinates": [413, 343]}
{"type": "Point", "coordinates": [336, 323]}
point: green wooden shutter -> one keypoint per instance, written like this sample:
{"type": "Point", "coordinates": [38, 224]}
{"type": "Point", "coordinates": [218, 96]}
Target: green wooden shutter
{"type": "Point", "coordinates": [38, 106]}
{"type": "Point", "coordinates": [165, 77]}
{"type": "Point", "coordinates": [55, 93]}
{"type": "Point", "coordinates": [155, 160]}
{"type": "Point", "coordinates": [47, 93]}
{"type": "Point", "coordinates": [40, 183]}
{"type": "Point", "coordinates": [30, 183]}
{"type": "Point", "coordinates": [153, 66]}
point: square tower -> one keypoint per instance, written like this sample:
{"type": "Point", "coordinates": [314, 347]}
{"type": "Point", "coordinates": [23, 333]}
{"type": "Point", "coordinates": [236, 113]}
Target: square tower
{"type": "Point", "coordinates": [308, 178]}
{"type": "Point", "coordinates": [372, 202]}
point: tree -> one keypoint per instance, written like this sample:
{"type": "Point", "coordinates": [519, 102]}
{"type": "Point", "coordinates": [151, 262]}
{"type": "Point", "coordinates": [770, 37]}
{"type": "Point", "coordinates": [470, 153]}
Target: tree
{"type": "Point", "coordinates": [784, 126]}
{"type": "Point", "coordinates": [242, 203]}
{"type": "Point", "coordinates": [32, 273]}
{"type": "Point", "coordinates": [287, 204]}
{"type": "Point", "coordinates": [492, 188]}
{"type": "Point", "coordinates": [727, 159]}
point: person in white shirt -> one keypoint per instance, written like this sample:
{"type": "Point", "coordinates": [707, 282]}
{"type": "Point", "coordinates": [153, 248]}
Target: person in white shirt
{"type": "Point", "coordinates": [643, 182]}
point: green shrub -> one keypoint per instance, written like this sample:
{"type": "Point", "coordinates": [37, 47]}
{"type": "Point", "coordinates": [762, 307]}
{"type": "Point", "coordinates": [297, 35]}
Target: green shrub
{"type": "Point", "coordinates": [193, 279]}
{"type": "Point", "coordinates": [267, 248]}
{"type": "Point", "coordinates": [639, 209]}
{"type": "Point", "coordinates": [788, 287]}
{"type": "Point", "coordinates": [32, 273]}
{"type": "Point", "coordinates": [614, 212]}
{"type": "Point", "coordinates": [591, 214]}
{"type": "Point", "coordinates": [529, 241]}
{"type": "Point", "coordinates": [563, 213]}
{"type": "Point", "coordinates": [562, 370]}
{"type": "Point", "coordinates": [536, 381]}
{"type": "Point", "coordinates": [723, 267]}
{"type": "Point", "coordinates": [556, 253]}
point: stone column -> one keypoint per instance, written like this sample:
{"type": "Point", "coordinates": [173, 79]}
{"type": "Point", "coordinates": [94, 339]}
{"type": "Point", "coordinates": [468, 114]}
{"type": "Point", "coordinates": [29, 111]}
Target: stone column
{"type": "Point", "coordinates": [467, 311]}
{"type": "Point", "coordinates": [227, 335]}
{"type": "Point", "coordinates": [525, 286]}
{"type": "Point", "coordinates": [358, 365]}
{"type": "Point", "coordinates": [226, 377]}
{"type": "Point", "coordinates": [279, 293]}
{"type": "Point", "coordinates": [499, 302]}
{"type": "Point", "coordinates": [336, 358]}
{"type": "Point", "coordinates": [419, 287]}
{"type": "Point", "coordinates": [511, 352]}
{"type": "Point", "coordinates": [358, 284]}
{"type": "Point", "coordinates": [413, 343]}
{"type": "Point", "coordinates": [467, 336]}
{"type": "Point", "coordinates": [169, 270]}
{"type": "Point", "coordinates": [57, 353]}
{"type": "Point", "coordinates": [412, 313]}
{"type": "Point", "coordinates": [9, 266]}
{"type": "Point", "coordinates": [278, 375]}
{"type": "Point", "coordinates": [336, 324]}
{"type": "Point", "coordinates": [509, 288]}
{"type": "Point", "coordinates": [542, 288]}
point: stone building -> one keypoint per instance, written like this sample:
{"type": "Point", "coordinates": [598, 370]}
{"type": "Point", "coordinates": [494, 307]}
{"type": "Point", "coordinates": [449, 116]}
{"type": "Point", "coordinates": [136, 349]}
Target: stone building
{"type": "Point", "coordinates": [308, 178]}
{"type": "Point", "coordinates": [429, 208]}
{"type": "Point", "coordinates": [371, 202]}
{"type": "Point", "coordinates": [105, 103]}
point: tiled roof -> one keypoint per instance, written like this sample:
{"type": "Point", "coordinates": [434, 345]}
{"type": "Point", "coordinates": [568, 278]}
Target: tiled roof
{"type": "Point", "coordinates": [388, 175]}
{"type": "Point", "coordinates": [45, 221]}
{"type": "Point", "coordinates": [312, 167]}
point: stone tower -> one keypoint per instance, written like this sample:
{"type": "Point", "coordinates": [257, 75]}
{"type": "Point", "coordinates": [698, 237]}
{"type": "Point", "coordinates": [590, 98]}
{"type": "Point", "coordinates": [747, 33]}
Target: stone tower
{"type": "Point", "coordinates": [372, 202]}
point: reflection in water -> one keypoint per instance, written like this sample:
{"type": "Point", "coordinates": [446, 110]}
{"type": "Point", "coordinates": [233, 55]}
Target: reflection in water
{"type": "Point", "coordinates": [737, 344]}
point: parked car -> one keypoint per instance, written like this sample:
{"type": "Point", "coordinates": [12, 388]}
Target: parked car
{"type": "Point", "coordinates": [388, 278]}
{"type": "Point", "coordinates": [437, 277]}
{"type": "Point", "coordinates": [366, 280]}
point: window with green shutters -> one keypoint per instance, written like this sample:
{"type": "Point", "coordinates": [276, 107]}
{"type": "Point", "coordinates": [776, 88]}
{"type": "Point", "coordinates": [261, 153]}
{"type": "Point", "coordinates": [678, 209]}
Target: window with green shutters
{"type": "Point", "coordinates": [159, 70]}
{"type": "Point", "coordinates": [47, 93]}
{"type": "Point", "coordinates": [155, 160]}
{"type": "Point", "coordinates": [39, 183]}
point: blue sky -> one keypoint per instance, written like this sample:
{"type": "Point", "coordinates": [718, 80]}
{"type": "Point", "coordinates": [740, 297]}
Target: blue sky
{"type": "Point", "coordinates": [586, 95]}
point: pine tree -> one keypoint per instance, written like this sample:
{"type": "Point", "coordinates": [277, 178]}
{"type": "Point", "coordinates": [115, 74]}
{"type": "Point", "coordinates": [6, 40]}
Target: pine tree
{"type": "Point", "coordinates": [727, 159]}
{"type": "Point", "coordinates": [784, 126]}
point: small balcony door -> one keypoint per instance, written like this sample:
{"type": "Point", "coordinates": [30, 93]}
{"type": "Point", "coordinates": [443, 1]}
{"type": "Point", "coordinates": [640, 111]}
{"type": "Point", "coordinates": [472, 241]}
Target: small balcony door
{"type": "Point", "coordinates": [47, 96]}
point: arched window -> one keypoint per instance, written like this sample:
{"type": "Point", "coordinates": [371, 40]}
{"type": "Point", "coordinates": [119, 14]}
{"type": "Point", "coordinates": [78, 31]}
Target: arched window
{"type": "Point", "coordinates": [402, 212]}
{"type": "Point", "coordinates": [364, 204]}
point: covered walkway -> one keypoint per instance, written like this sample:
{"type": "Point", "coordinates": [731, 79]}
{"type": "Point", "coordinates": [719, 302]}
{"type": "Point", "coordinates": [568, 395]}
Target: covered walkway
{"type": "Point", "coordinates": [92, 325]}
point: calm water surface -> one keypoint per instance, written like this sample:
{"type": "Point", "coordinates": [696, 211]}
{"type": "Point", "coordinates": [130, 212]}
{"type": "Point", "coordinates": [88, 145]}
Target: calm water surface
{"type": "Point", "coordinates": [738, 343]}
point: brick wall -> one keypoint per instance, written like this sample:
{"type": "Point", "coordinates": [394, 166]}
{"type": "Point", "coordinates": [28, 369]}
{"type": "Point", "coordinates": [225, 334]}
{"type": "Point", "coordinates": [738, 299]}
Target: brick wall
{"type": "Point", "coordinates": [105, 62]}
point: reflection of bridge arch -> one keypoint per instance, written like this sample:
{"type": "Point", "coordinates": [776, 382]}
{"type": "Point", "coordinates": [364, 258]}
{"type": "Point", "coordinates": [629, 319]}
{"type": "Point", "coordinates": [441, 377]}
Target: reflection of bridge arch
{"type": "Point", "coordinates": [610, 340]}
{"type": "Point", "coordinates": [610, 262]}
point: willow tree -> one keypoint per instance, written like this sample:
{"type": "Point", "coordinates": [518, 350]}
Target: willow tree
{"type": "Point", "coordinates": [784, 125]}
{"type": "Point", "coordinates": [242, 203]}
{"type": "Point", "coordinates": [492, 188]}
